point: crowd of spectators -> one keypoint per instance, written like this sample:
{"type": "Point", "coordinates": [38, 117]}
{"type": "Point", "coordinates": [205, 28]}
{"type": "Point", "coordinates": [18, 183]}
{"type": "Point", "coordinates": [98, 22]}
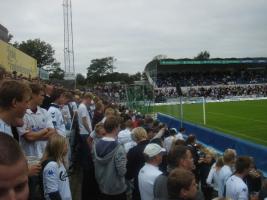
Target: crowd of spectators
{"type": "Point", "coordinates": [211, 78]}
{"type": "Point", "coordinates": [213, 92]}
{"type": "Point", "coordinates": [223, 92]}
{"type": "Point", "coordinates": [15, 76]}
{"type": "Point", "coordinates": [213, 85]}
{"type": "Point", "coordinates": [111, 92]}
{"type": "Point", "coordinates": [49, 133]}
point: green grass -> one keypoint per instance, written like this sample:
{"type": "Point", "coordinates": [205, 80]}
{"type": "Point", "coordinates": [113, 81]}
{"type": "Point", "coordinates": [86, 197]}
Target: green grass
{"type": "Point", "coordinates": [244, 119]}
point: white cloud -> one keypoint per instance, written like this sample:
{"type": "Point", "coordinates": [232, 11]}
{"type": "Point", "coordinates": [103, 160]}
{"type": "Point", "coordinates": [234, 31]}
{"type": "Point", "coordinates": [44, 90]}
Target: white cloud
{"type": "Point", "coordinates": [134, 31]}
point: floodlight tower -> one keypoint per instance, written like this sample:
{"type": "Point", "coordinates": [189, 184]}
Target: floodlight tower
{"type": "Point", "coordinates": [68, 38]}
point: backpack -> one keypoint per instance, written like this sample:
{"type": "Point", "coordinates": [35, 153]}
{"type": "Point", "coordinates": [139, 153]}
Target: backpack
{"type": "Point", "coordinates": [44, 163]}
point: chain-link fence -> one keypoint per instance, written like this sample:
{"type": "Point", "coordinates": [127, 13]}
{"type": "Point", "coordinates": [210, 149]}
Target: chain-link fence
{"type": "Point", "coordinates": [140, 97]}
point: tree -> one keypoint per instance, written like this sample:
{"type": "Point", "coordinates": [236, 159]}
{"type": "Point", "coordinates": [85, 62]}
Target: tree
{"type": "Point", "coordinates": [136, 77]}
{"type": "Point", "coordinates": [10, 36]}
{"type": "Point", "coordinates": [122, 77]}
{"type": "Point", "coordinates": [203, 55]}
{"type": "Point", "coordinates": [80, 79]}
{"type": "Point", "coordinates": [55, 72]}
{"type": "Point", "coordinates": [160, 57]}
{"type": "Point", "coordinates": [40, 50]}
{"type": "Point", "coordinates": [144, 76]}
{"type": "Point", "coordinates": [99, 68]}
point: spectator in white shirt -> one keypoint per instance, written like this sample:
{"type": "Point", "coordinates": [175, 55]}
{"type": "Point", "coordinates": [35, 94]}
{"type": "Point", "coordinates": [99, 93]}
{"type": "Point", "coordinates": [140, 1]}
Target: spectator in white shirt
{"type": "Point", "coordinates": [67, 111]}
{"type": "Point", "coordinates": [84, 119]}
{"type": "Point", "coordinates": [85, 126]}
{"type": "Point", "coordinates": [213, 177]}
{"type": "Point", "coordinates": [35, 132]}
{"type": "Point", "coordinates": [54, 110]}
{"type": "Point", "coordinates": [125, 136]}
{"type": "Point", "coordinates": [170, 140]}
{"type": "Point", "coordinates": [226, 171]}
{"type": "Point", "coordinates": [54, 175]}
{"type": "Point", "coordinates": [14, 99]}
{"type": "Point", "coordinates": [236, 188]}
{"type": "Point", "coordinates": [38, 126]}
{"type": "Point", "coordinates": [150, 171]}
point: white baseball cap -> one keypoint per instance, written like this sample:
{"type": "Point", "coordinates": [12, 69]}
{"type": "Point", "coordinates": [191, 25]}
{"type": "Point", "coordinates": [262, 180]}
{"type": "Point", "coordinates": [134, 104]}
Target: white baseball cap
{"type": "Point", "coordinates": [153, 150]}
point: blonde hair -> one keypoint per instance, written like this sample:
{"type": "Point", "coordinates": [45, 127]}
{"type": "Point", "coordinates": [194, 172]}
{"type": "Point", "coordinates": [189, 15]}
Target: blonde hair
{"type": "Point", "coordinates": [219, 162]}
{"type": "Point", "coordinates": [210, 152]}
{"type": "Point", "coordinates": [55, 149]}
{"type": "Point", "coordinates": [229, 156]}
{"type": "Point", "coordinates": [110, 112]}
{"type": "Point", "coordinates": [88, 95]}
{"type": "Point", "coordinates": [139, 134]}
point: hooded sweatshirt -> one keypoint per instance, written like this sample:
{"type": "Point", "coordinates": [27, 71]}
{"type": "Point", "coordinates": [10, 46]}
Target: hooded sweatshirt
{"type": "Point", "coordinates": [110, 166]}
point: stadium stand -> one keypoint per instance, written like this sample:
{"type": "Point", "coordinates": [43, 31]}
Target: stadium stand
{"type": "Point", "coordinates": [214, 78]}
{"type": "Point", "coordinates": [83, 177]}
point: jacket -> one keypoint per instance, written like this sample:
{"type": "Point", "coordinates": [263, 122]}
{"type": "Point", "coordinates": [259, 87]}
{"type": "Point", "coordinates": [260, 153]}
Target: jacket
{"type": "Point", "coordinates": [110, 166]}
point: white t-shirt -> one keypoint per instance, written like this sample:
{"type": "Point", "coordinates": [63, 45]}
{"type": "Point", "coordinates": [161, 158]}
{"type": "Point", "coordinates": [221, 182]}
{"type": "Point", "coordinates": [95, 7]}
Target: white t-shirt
{"type": "Point", "coordinates": [35, 122]}
{"type": "Point", "coordinates": [168, 141]}
{"type": "Point", "coordinates": [224, 174]}
{"type": "Point", "coordinates": [236, 189]}
{"type": "Point", "coordinates": [57, 119]}
{"type": "Point", "coordinates": [127, 146]}
{"type": "Point", "coordinates": [55, 178]}
{"type": "Point", "coordinates": [213, 177]}
{"type": "Point", "coordinates": [5, 128]}
{"type": "Point", "coordinates": [83, 112]}
{"type": "Point", "coordinates": [179, 136]}
{"type": "Point", "coordinates": [66, 116]}
{"type": "Point", "coordinates": [146, 179]}
{"type": "Point", "coordinates": [73, 106]}
{"type": "Point", "coordinates": [125, 138]}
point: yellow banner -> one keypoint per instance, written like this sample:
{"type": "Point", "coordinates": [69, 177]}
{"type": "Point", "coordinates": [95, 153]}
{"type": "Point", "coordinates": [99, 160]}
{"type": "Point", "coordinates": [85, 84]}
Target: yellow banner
{"type": "Point", "coordinates": [12, 59]}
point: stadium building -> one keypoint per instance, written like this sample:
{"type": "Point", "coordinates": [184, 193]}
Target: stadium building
{"type": "Point", "coordinates": [156, 68]}
{"type": "Point", "coordinates": [167, 74]}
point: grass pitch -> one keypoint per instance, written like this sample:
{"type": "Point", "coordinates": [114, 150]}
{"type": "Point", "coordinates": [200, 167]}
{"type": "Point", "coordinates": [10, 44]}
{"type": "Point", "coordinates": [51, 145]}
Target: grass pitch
{"type": "Point", "coordinates": [243, 119]}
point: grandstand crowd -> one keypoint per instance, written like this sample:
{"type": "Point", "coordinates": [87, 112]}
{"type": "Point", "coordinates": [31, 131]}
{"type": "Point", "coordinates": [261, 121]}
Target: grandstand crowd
{"type": "Point", "coordinates": [110, 92]}
{"type": "Point", "coordinates": [212, 85]}
{"type": "Point", "coordinates": [49, 132]}
{"type": "Point", "coordinates": [214, 92]}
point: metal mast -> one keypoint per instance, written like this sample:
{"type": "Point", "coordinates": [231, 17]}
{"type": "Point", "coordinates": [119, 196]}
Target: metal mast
{"type": "Point", "coordinates": [68, 38]}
